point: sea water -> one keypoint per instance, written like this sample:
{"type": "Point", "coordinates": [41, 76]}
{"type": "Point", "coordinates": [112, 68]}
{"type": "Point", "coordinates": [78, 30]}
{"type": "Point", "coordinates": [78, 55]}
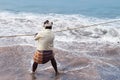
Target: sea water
{"type": "Point", "coordinates": [92, 8]}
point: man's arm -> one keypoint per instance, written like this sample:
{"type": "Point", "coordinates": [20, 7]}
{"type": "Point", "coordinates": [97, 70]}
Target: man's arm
{"type": "Point", "coordinates": [37, 36]}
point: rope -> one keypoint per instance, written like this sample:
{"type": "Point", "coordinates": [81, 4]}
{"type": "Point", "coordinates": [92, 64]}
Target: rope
{"type": "Point", "coordinates": [17, 35]}
{"type": "Point", "coordinates": [65, 29]}
{"type": "Point", "coordinates": [88, 25]}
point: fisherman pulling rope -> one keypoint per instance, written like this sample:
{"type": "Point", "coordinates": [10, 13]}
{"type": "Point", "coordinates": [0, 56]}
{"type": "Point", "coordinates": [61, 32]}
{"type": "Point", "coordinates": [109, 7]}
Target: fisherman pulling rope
{"type": "Point", "coordinates": [44, 52]}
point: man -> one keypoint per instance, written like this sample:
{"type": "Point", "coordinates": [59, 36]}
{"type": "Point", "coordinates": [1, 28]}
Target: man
{"type": "Point", "coordinates": [44, 51]}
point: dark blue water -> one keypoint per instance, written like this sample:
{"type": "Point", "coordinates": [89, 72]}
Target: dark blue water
{"type": "Point", "coordinates": [94, 8]}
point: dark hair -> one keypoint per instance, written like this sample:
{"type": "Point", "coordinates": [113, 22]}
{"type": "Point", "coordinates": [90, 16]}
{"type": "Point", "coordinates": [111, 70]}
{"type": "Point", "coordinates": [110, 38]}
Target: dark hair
{"type": "Point", "coordinates": [46, 22]}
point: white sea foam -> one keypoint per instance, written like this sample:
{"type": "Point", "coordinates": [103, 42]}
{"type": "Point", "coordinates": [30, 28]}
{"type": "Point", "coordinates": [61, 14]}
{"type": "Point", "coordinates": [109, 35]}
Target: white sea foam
{"type": "Point", "coordinates": [30, 23]}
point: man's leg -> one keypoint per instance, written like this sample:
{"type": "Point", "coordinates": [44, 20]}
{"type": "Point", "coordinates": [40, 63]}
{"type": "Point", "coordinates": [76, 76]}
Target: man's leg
{"type": "Point", "coordinates": [34, 67]}
{"type": "Point", "coordinates": [54, 64]}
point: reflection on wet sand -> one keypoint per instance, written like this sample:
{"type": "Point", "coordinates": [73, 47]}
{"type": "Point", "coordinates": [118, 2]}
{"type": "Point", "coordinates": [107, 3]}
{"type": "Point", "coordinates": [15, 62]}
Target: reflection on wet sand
{"type": "Point", "coordinates": [102, 64]}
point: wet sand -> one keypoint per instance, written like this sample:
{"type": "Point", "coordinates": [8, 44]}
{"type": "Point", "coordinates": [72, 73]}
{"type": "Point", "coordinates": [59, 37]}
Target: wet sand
{"type": "Point", "coordinates": [101, 64]}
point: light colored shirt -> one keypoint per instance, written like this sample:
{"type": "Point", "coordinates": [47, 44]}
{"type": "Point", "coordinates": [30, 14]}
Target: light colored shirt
{"type": "Point", "coordinates": [45, 40]}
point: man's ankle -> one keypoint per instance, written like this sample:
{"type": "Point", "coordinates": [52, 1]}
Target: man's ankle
{"type": "Point", "coordinates": [57, 73]}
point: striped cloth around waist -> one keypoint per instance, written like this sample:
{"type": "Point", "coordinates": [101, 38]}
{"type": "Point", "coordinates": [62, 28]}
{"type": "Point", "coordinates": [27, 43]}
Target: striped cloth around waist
{"type": "Point", "coordinates": [43, 56]}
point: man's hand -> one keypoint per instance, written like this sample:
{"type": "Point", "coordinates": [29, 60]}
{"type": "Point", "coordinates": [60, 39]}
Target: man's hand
{"type": "Point", "coordinates": [35, 34]}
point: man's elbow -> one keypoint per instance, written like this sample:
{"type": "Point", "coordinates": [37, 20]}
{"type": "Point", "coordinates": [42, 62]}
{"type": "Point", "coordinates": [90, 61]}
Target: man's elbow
{"type": "Point", "coordinates": [36, 38]}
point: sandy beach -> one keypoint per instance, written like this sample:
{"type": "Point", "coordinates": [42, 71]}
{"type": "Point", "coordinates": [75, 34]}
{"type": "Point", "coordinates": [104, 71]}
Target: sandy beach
{"type": "Point", "coordinates": [102, 63]}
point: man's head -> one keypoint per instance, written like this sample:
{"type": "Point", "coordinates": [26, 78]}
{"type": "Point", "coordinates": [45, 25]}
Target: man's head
{"type": "Point", "coordinates": [47, 24]}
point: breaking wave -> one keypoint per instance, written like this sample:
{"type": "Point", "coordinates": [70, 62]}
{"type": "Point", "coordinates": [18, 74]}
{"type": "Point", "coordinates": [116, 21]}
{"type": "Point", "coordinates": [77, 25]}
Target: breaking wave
{"type": "Point", "coordinates": [30, 23]}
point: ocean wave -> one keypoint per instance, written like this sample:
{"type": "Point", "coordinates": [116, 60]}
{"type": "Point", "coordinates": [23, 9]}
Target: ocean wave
{"type": "Point", "coordinates": [30, 23]}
